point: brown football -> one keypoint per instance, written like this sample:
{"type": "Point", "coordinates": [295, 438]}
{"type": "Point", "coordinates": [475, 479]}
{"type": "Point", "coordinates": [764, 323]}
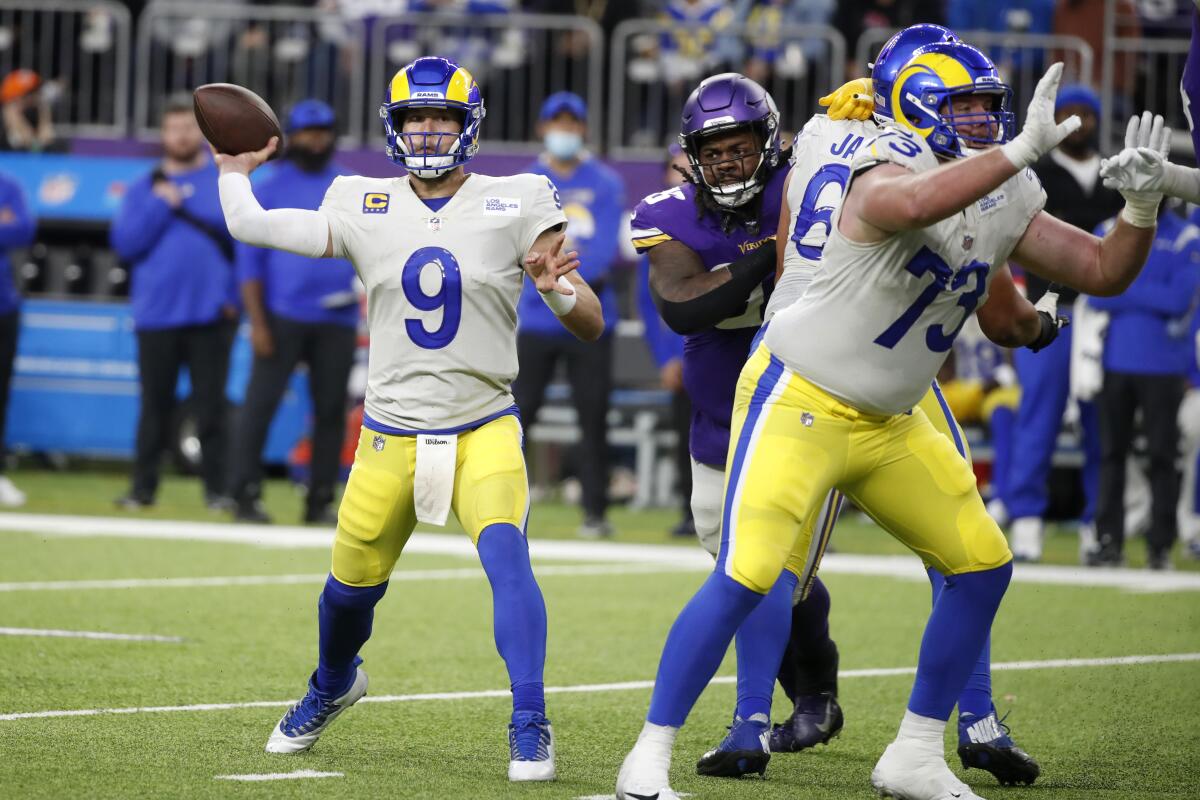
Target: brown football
{"type": "Point", "coordinates": [234, 119]}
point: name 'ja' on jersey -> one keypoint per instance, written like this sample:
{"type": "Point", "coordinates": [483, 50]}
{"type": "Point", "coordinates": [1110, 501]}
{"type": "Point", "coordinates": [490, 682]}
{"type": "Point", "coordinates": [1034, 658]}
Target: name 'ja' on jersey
{"type": "Point", "coordinates": [878, 320]}
{"type": "Point", "coordinates": [821, 158]}
{"type": "Point", "coordinates": [442, 290]}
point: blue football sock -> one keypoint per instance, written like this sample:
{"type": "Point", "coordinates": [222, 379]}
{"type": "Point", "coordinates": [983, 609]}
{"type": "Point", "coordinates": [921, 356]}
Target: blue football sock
{"type": "Point", "coordinates": [976, 697]}
{"type": "Point", "coordinates": [696, 645]}
{"type": "Point", "coordinates": [518, 613]}
{"type": "Point", "coordinates": [344, 614]}
{"type": "Point", "coordinates": [954, 637]}
{"type": "Point", "coordinates": [761, 640]}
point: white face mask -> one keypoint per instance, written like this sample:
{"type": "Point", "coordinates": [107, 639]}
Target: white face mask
{"type": "Point", "coordinates": [563, 145]}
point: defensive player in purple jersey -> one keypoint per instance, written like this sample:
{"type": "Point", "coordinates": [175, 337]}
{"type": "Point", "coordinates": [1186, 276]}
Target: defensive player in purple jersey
{"type": "Point", "coordinates": [1143, 166]}
{"type": "Point", "coordinates": [712, 259]}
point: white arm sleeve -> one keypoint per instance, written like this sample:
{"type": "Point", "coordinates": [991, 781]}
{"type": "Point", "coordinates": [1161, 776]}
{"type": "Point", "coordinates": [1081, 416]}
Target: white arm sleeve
{"type": "Point", "coordinates": [1182, 182]}
{"type": "Point", "coordinates": [296, 230]}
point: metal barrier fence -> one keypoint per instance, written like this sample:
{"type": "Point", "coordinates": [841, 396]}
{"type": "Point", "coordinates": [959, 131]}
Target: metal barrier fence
{"type": "Point", "coordinates": [1144, 74]}
{"type": "Point", "coordinates": [518, 60]}
{"type": "Point", "coordinates": [655, 65]}
{"type": "Point", "coordinates": [1022, 58]}
{"type": "Point", "coordinates": [284, 53]}
{"type": "Point", "coordinates": [80, 49]}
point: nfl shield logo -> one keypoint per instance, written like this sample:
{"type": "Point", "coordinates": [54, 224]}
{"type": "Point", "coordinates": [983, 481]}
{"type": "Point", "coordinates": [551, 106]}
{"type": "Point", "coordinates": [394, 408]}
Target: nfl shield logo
{"type": "Point", "coordinates": [806, 419]}
{"type": "Point", "coordinates": [435, 224]}
{"type": "Point", "coordinates": [968, 240]}
{"type": "Point", "coordinates": [378, 443]}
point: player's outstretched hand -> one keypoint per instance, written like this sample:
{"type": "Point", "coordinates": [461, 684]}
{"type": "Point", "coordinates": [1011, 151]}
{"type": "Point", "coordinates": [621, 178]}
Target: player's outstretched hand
{"type": "Point", "coordinates": [852, 100]}
{"type": "Point", "coordinates": [1041, 133]}
{"type": "Point", "coordinates": [1140, 167]}
{"type": "Point", "coordinates": [548, 266]}
{"type": "Point", "coordinates": [245, 163]}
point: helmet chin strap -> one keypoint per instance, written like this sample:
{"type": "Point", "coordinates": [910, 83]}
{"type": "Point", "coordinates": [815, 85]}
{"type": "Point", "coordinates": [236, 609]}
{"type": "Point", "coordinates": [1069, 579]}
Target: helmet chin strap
{"type": "Point", "coordinates": [430, 166]}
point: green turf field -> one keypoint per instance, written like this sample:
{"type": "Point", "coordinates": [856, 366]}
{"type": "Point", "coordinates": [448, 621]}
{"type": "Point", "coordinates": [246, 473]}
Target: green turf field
{"type": "Point", "coordinates": [1110, 731]}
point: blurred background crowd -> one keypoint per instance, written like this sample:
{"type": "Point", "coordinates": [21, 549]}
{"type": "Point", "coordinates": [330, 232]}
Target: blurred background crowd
{"type": "Point", "coordinates": [131, 327]}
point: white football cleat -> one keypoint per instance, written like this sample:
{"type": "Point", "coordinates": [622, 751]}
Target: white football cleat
{"type": "Point", "coordinates": [644, 776]}
{"type": "Point", "coordinates": [908, 772]}
{"type": "Point", "coordinates": [304, 722]}
{"type": "Point", "coordinates": [1025, 539]}
{"type": "Point", "coordinates": [531, 748]}
{"type": "Point", "coordinates": [10, 495]}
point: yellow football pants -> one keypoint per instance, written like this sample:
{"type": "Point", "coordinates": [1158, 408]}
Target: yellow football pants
{"type": "Point", "coordinates": [377, 514]}
{"type": "Point", "coordinates": [792, 442]}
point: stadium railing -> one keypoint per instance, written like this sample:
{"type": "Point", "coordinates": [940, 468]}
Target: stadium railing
{"type": "Point", "coordinates": [284, 53]}
{"type": "Point", "coordinates": [1149, 81]}
{"type": "Point", "coordinates": [654, 65]}
{"type": "Point", "coordinates": [518, 59]}
{"type": "Point", "coordinates": [1022, 58]}
{"type": "Point", "coordinates": [80, 48]}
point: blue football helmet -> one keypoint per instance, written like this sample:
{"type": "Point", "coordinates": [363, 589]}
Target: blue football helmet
{"type": "Point", "coordinates": [432, 82]}
{"type": "Point", "coordinates": [923, 93]}
{"type": "Point", "coordinates": [895, 54]}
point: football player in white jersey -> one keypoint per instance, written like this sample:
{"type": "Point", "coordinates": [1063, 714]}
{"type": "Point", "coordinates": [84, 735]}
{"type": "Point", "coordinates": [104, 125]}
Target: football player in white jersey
{"type": "Point", "coordinates": [442, 254]}
{"type": "Point", "coordinates": [829, 398]}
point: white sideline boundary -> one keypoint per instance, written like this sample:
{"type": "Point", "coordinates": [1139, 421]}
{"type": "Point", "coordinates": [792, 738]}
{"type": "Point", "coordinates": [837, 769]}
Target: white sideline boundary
{"type": "Point", "coordinates": [281, 776]}
{"type": "Point", "coordinates": [593, 688]}
{"type": "Point", "coordinates": [411, 575]}
{"type": "Point", "coordinates": [116, 637]}
{"type": "Point", "coordinates": [902, 567]}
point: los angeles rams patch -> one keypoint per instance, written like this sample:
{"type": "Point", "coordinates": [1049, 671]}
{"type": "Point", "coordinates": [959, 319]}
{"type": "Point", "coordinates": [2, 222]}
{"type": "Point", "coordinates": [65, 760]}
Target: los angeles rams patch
{"type": "Point", "coordinates": [501, 207]}
{"type": "Point", "coordinates": [376, 202]}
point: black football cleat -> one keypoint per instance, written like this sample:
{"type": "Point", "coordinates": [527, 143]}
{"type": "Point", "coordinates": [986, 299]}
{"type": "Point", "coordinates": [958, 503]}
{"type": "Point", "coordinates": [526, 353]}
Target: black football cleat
{"type": "Point", "coordinates": [817, 718]}
{"type": "Point", "coordinates": [984, 743]}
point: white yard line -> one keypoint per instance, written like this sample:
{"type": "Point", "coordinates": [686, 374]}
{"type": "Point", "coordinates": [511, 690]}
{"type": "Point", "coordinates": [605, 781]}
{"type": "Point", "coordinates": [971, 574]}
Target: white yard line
{"type": "Point", "coordinates": [592, 688]}
{"type": "Point", "coordinates": [117, 637]}
{"type": "Point", "coordinates": [281, 776]}
{"type": "Point", "coordinates": [468, 573]}
{"type": "Point", "coordinates": [902, 567]}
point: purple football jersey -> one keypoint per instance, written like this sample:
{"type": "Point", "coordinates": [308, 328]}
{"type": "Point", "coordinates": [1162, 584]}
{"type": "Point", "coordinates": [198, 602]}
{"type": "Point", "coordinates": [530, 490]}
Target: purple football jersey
{"type": "Point", "coordinates": [712, 359]}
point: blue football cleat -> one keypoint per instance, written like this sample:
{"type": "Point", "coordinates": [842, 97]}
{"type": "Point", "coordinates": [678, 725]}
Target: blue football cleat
{"type": "Point", "coordinates": [742, 752]}
{"type": "Point", "coordinates": [984, 743]}
{"type": "Point", "coordinates": [530, 747]}
{"type": "Point", "coordinates": [817, 719]}
{"type": "Point", "coordinates": [304, 722]}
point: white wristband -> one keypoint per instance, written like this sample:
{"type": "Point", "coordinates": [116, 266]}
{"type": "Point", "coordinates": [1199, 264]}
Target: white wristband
{"type": "Point", "coordinates": [1020, 153]}
{"type": "Point", "coordinates": [560, 304]}
{"type": "Point", "coordinates": [1141, 215]}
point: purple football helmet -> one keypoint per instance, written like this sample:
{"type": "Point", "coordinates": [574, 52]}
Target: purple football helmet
{"type": "Point", "coordinates": [895, 54]}
{"type": "Point", "coordinates": [722, 104]}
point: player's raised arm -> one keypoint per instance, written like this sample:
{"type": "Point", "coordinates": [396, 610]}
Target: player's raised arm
{"type": "Point", "coordinates": [561, 287]}
{"type": "Point", "coordinates": [890, 198]}
{"type": "Point", "coordinates": [1103, 267]}
{"type": "Point", "coordinates": [295, 230]}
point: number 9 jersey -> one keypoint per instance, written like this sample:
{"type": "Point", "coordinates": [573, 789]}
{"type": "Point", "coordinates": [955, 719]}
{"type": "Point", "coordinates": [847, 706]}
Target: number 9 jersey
{"type": "Point", "coordinates": [442, 290]}
{"type": "Point", "coordinates": [877, 321]}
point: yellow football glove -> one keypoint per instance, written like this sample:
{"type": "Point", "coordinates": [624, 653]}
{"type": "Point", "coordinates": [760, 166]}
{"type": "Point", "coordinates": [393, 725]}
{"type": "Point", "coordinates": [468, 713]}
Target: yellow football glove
{"type": "Point", "coordinates": [852, 100]}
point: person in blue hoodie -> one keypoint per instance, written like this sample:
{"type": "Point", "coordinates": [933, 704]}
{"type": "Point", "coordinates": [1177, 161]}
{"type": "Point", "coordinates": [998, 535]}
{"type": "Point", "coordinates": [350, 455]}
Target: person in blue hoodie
{"type": "Point", "coordinates": [17, 226]}
{"type": "Point", "coordinates": [170, 229]}
{"type": "Point", "coordinates": [593, 199]}
{"type": "Point", "coordinates": [1147, 353]}
{"type": "Point", "coordinates": [300, 310]}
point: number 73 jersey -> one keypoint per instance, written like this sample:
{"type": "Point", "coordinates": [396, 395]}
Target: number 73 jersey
{"type": "Point", "coordinates": [878, 320]}
{"type": "Point", "coordinates": [442, 290]}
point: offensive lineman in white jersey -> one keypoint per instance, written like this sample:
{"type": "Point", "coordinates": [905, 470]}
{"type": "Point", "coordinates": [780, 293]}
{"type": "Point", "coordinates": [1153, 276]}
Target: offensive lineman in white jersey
{"type": "Point", "coordinates": [828, 399]}
{"type": "Point", "coordinates": [442, 255]}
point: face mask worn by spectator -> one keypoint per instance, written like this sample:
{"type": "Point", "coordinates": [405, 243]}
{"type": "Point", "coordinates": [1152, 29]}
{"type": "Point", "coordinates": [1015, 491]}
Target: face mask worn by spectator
{"type": "Point", "coordinates": [563, 145]}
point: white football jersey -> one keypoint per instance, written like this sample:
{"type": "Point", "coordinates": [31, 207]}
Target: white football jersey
{"type": "Point", "coordinates": [878, 320]}
{"type": "Point", "coordinates": [821, 157]}
{"type": "Point", "coordinates": [442, 289]}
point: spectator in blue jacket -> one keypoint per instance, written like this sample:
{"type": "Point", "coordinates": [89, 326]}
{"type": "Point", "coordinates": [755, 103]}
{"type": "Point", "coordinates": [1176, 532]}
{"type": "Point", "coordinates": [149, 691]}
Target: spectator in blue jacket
{"type": "Point", "coordinates": [666, 347]}
{"type": "Point", "coordinates": [593, 199]}
{"type": "Point", "coordinates": [1147, 353]}
{"type": "Point", "coordinates": [17, 226]}
{"type": "Point", "coordinates": [171, 230]}
{"type": "Point", "coordinates": [300, 310]}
